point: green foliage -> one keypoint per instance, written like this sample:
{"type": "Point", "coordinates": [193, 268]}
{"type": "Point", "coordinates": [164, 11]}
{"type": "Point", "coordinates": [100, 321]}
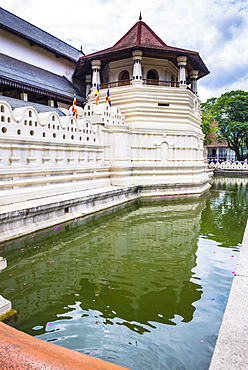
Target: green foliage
{"type": "Point", "coordinates": [210, 126]}
{"type": "Point", "coordinates": [230, 110]}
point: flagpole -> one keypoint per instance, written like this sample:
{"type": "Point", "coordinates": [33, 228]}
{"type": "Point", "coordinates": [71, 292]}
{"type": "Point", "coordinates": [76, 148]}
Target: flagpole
{"type": "Point", "coordinates": [97, 93]}
{"type": "Point", "coordinates": [108, 99]}
{"type": "Point", "coordinates": [74, 107]}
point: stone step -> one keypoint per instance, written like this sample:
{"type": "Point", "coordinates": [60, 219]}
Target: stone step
{"type": "Point", "coordinates": [3, 263]}
{"type": "Point", "coordinates": [5, 306]}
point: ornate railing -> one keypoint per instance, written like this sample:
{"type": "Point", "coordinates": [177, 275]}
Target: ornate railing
{"type": "Point", "coordinates": [115, 84]}
{"type": "Point", "coordinates": [229, 165]}
{"type": "Point", "coordinates": [145, 82]}
{"type": "Point", "coordinates": [161, 83]}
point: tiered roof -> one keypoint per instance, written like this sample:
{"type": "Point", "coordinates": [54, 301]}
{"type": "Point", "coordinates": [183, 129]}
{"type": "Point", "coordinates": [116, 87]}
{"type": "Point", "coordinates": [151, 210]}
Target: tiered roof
{"type": "Point", "coordinates": [141, 37]}
{"type": "Point", "coordinates": [16, 73]}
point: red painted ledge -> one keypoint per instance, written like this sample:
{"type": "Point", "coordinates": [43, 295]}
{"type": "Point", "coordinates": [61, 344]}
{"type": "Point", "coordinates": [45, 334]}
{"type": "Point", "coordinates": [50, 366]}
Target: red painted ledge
{"type": "Point", "coordinates": [20, 351]}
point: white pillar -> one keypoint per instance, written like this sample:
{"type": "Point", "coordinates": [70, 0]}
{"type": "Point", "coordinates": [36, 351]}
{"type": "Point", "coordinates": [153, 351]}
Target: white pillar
{"type": "Point", "coordinates": [137, 71]}
{"type": "Point", "coordinates": [88, 84]}
{"type": "Point", "coordinates": [51, 103]}
{"type": "Point", "coordinates": [194, 75]}
{"type": "Point", "coordinates": [96, 66]}
{"type": "Point", "coordinates": [24, 96]}
{"type": "Point", "coordinates": [182, 61]}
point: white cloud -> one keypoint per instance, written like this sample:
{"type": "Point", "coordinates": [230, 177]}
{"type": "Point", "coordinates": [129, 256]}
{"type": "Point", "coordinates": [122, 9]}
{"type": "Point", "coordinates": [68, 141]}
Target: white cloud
{"type": "Point", "coordinates": [217, 29]}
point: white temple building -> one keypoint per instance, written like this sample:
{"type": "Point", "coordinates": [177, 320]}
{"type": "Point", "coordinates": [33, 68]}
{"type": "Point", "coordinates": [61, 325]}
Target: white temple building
{"type": "Point", "coordinates": [143, 138]}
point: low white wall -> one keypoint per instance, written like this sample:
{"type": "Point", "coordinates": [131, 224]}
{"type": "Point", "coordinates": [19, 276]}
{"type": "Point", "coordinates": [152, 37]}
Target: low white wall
{"type": "Point", "coordinates": [97, 149]}
{"type": "Point", "coordinates": [229, 165]}
{"type": "Point", "coordinates": [56, 168]}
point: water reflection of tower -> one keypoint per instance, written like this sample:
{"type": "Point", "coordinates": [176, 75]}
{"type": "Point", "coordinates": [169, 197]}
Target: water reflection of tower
{"type": "Point", "coordinates": [156, 246]}
{"type": "Point", "coordinates": [146, 255]}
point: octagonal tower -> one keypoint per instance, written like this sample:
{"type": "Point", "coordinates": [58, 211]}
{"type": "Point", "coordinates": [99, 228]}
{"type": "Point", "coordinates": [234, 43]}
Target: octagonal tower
{"type": "Point", "coordinates": [155, 86]}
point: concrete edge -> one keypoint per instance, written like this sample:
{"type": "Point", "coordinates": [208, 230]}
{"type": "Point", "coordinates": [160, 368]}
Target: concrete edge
{"type": "Point", "coordinates": [20, 351]}
{"type": "Point", "coordinates": [230, 172]}
{"type": "Point", "coordinates": [231, 347]}
{"type": "Point", "coordinates": [27, 217]}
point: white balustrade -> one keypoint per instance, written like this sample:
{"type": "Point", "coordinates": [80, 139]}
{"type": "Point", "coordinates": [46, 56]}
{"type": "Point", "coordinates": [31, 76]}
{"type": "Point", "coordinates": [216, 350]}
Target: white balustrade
{"type": "Point", "coordinates": [229, 165]}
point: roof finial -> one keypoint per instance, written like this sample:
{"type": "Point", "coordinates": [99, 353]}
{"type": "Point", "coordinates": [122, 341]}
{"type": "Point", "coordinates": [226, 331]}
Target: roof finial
{"type": "Point", "coordinates": [140, 17]}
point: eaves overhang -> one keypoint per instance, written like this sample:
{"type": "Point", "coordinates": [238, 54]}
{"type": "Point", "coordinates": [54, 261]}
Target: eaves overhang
{"type": "Point", "coordinates": [109, 55]}
{"type": "Point", "coordinates": [32, 88]}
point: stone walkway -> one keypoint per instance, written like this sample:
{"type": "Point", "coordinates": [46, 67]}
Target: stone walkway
{"type": "Point", "coordinates": [25, 211]}
{"type": "Point", "coordinates": [231, 350]}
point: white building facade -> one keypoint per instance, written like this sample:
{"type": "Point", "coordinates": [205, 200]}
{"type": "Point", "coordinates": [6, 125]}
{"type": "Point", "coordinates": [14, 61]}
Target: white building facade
{"type": "Point", "coordinates": [145, 141]}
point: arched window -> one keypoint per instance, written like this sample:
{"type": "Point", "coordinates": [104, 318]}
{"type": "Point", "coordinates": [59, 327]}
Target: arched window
{"type": "Point", "coordinates": [152, 77]}
{"type": "Point", "coordinates": [152, 74]}
{"type": "Point", "coordinates": [124, 78]}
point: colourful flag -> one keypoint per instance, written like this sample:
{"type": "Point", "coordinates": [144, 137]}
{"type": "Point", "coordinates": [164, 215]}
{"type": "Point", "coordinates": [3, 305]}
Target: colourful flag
{"type": "Point", "coordinates": [74, 107]}
{"type": "Point", "coordinates": [108, 98]}
{"type": "Point", "coordinates": [97, 94]}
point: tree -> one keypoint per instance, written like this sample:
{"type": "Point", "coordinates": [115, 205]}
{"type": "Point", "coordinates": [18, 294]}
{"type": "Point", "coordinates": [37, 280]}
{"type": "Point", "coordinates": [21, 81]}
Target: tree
{"type": "Point", "coordinates": [230, 110]}
{"type": "Point", "coordinates": [210, 126]}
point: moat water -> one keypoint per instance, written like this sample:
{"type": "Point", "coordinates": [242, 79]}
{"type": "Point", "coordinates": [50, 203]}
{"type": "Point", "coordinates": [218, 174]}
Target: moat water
{"type": "Point", "coordinates": [143, 286]}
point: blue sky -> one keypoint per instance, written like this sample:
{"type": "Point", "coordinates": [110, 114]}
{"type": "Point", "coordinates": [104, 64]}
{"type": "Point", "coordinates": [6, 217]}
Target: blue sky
{"type": "Point", "coordinates": [217, 29]}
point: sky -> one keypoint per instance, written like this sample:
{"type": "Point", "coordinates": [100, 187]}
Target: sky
{"type": "Point", "coordinates": [216, 29]}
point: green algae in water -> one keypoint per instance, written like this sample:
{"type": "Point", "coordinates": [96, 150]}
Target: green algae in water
{"type": "Point", "coordinates": [143, 286]}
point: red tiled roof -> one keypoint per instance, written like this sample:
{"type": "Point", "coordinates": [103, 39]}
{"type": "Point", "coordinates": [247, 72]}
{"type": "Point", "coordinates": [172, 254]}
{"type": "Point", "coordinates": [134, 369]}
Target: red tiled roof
{"type": "Point", "coordinates": [140, 35]}
{"type": "Point", "coordinates": [216, 143]}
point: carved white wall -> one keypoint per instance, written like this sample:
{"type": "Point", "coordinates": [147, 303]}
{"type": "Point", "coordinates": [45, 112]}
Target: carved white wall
{"type": "Point", "coordinates": [229, 165]}
{"type": "Point", "coordinates": [98, 149]}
